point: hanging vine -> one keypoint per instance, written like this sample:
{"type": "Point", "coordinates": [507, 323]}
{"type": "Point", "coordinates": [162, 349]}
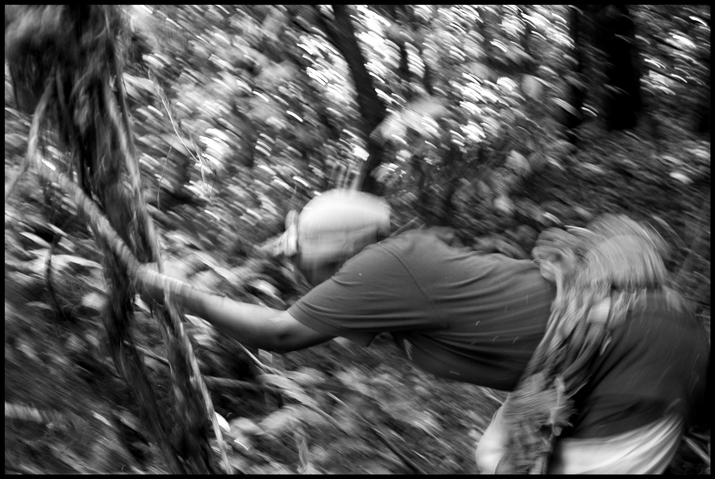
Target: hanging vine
{"type": "Point", "coordinates": [65, 62]}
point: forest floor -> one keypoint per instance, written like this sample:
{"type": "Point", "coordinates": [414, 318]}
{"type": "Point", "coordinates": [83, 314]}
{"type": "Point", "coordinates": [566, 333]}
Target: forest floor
{"type": "Point", "coordinates": [56, 365]}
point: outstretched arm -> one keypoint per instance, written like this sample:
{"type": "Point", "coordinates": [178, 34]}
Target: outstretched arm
{"type": "Point", "coordinates": [251, 324]}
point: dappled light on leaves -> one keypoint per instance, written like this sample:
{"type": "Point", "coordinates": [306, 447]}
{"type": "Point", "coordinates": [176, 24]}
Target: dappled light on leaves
{"type": "Point", "coordinates": [490, 120]}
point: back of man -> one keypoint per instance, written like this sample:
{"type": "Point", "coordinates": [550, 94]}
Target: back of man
{"type": "Point", "coordinates": [456, 313]}
{"type": "Point", "coordinates": [478, 318]}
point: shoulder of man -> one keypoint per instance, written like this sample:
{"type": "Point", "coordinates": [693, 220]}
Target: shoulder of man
{"type": "Point", "coordinates": [444, 234]}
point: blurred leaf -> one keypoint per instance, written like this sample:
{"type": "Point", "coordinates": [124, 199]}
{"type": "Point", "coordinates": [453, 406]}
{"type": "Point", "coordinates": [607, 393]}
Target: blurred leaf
{"type": "Point", "coordinates": [518, 163]}
{"type": "Point", "coordinates": [39, 305]}
{"type": "Point", "coordinates": [560, 149]}
{"type": "Point", "coordinates": [306, 376]}
{"type": "Point", "coordinates": [94, 301]}
{"type": "Point", "coordinates": [392, 126]}
{"type": "Point", "coordinates": [63, 260]}
{"type": "Point", "coordinates": [532, 87]}
{"type": "Point", "coordinates": [27, 349]}
{"type": "Point", "coordinates": [280, 421]}
{"type": "Point", "coordinates": [289, 418]}
{"type": "Point", "coordinates": [681, 177]}
{"type": "Point", "coordinates": [205, 340]}
{"type": "Point", "coordinates": [481, 71]}
{"type": "Point", "coordinates": [504, 204]}
{"type": "Point", "coordinates": [406, 411]}
{"type": "Point", "coordinates": [289, 388]}
{"type": "Point", "coordinates": [272, 75]}
{"type": "Point", "coordinates": [264, 287]}
{"type": "Point", "coordinates": [355, 380]}
{"type": "Point", "coordinates": [36, 239]}
{"type": "Point", "coordinates": [304, 465]}
{"type": "Point", "coordinates": [208, 280]}
{"type": "Point", "coordinates": [566, 106]}
{"type": "Point", "coordinates": [593, 168]}
{"type": "Point", "coordinates": [37, 265]}
{"type": "Point", "coordinates": [138, 87]}
{"type": "Point", "coordinates": [264, 111]}
{"type": "Point", "coordinates": [245, 426]}
{"type": "Point", "coordinates": [433, 107]}
{"type": "Point", "coordinates": [176, 143]}
{"type": "Point", "coordinates": [222, 422]}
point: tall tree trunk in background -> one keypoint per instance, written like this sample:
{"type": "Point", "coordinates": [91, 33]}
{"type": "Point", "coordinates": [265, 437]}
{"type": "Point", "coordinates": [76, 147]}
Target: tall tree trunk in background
{"type": "Point", "coordinates": [372, 111]}
{"type": "Point", "coordinates": [702, 113]}
{"type": "Point", "coordinates": [576, 90]}
{"type": "Point", "coordinates": [408, 31]}
{"type": "Point", "coordinates": [521, 11]}
{"type": "Point", "coordinates": [617, 40]}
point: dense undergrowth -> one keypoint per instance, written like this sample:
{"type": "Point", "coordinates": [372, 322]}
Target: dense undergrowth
{"type": "Point", "coordinates": [335, 408]}
{"type": "Point", "coordinates": [55, 361]}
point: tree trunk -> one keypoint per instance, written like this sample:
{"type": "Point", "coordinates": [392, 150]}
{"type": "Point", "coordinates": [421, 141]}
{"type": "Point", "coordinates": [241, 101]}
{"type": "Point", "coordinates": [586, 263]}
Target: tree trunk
{"type": "Point", "coordinates": [576, 90]}
{"type": "Point", "coordinates": [617, 40]}
{"type": "Point", "coordinates": [372, 110]}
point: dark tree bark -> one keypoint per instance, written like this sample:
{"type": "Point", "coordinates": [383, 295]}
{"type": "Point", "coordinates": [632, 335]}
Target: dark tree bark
{"type": "Point", "coordinates": [617, 40]}
{"type": "Point", "coordinates": [341, 34]}
{"type": "Point", "coordinates": [576, 88]}
{"type": "Point", "coordinates": [524, 37]}
{"type": "Point", "coordinates": [405, 16]}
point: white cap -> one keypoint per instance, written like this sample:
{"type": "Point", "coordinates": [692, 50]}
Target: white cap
{"type": "Point", "coordinates": [338, 224]}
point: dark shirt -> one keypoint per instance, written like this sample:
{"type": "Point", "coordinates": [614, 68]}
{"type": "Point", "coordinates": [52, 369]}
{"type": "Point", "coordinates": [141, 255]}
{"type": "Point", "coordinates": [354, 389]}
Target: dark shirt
{"type": "Point", "coordinates": [478, 318]}
{"type": "Point", "coordinates": [456, 313]}
{"type": "Point", "coordinates": [655, 364]}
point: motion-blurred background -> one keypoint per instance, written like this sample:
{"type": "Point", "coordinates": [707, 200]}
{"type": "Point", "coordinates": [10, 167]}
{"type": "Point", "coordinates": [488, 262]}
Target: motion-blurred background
{"type": "Point", "coordinates": [496, 121]}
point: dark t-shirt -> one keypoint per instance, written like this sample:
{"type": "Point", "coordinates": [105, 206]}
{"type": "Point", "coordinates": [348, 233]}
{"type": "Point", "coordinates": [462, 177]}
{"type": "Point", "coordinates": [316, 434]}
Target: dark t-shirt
{"type": "Point", "coordinates": [655, 364]}
{"type": "Point", "coordinates": [478, 318]}
{"type": "Point", "coordinates": [456, 313]}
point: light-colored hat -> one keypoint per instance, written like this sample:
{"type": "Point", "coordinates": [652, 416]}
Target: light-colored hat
{"type": "Point", "coordinates": [335, 225]}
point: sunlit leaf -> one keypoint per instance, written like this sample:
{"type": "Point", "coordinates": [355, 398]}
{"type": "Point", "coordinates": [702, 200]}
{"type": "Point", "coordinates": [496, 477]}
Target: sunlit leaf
{"type": "Point", "coordinates": [681, 177]}
{"type": "Point", "coordinates": [245, 426]}
{"type": "Point", "coordinates": [481, 71]}
{"type": "Point", "coordinates": [304, 464]}
{"type": "Point", "coordinates": [282, 420]}
{"type": "Point", "coordinates": [518, 163]}
{"type": "Point", "coordinates": [94, 301]}
{"type": "Point", "coordinates": [36, 239]}
{"type": "Point", "coordinates": [278, 73]}
{"type": "Point", "coordinates": [222, 422]}
{"type": "Point", "coordinates": [593, 168]}
{"type": "Point", "coordinates": [288, 418]}
{"type": "Point", "coordinates": [354, 379]}
{"type": "Point", "coordinates": [504, 204]}
{"type": "Point", "coordinates": [306, 376]}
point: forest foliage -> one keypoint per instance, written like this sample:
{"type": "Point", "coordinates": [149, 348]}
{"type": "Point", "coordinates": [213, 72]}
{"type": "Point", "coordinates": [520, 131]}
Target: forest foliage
{"type": "Point", "coordinates": [495, 121]}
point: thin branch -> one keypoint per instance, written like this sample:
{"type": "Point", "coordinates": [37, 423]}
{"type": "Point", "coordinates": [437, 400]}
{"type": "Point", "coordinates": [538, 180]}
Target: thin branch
{"type": "Point", "coordinates": [699, 452]}
{"type": "Point", "coordinates": [197, 158]}
{"type": "Point", "coordinates": [144, 274]}
{"type": "Point", "coordinates": [33, 139]}
{"type": "Point", "coordinates": [48, 281]}
{"type": "Point", "coordinates": [213, 381]}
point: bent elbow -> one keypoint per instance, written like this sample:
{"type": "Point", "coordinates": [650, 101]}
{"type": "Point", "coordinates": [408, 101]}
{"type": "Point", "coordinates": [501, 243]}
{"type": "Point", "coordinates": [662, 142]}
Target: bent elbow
{"type": "Point", "coordinates": [281, 340]}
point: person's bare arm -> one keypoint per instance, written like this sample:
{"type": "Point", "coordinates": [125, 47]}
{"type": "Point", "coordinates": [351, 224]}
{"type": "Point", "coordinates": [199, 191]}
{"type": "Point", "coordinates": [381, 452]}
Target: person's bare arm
{"type": "Point", "coordinates": [251, 324]}
{"type": "Point", "coordinates": [257, 326]}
